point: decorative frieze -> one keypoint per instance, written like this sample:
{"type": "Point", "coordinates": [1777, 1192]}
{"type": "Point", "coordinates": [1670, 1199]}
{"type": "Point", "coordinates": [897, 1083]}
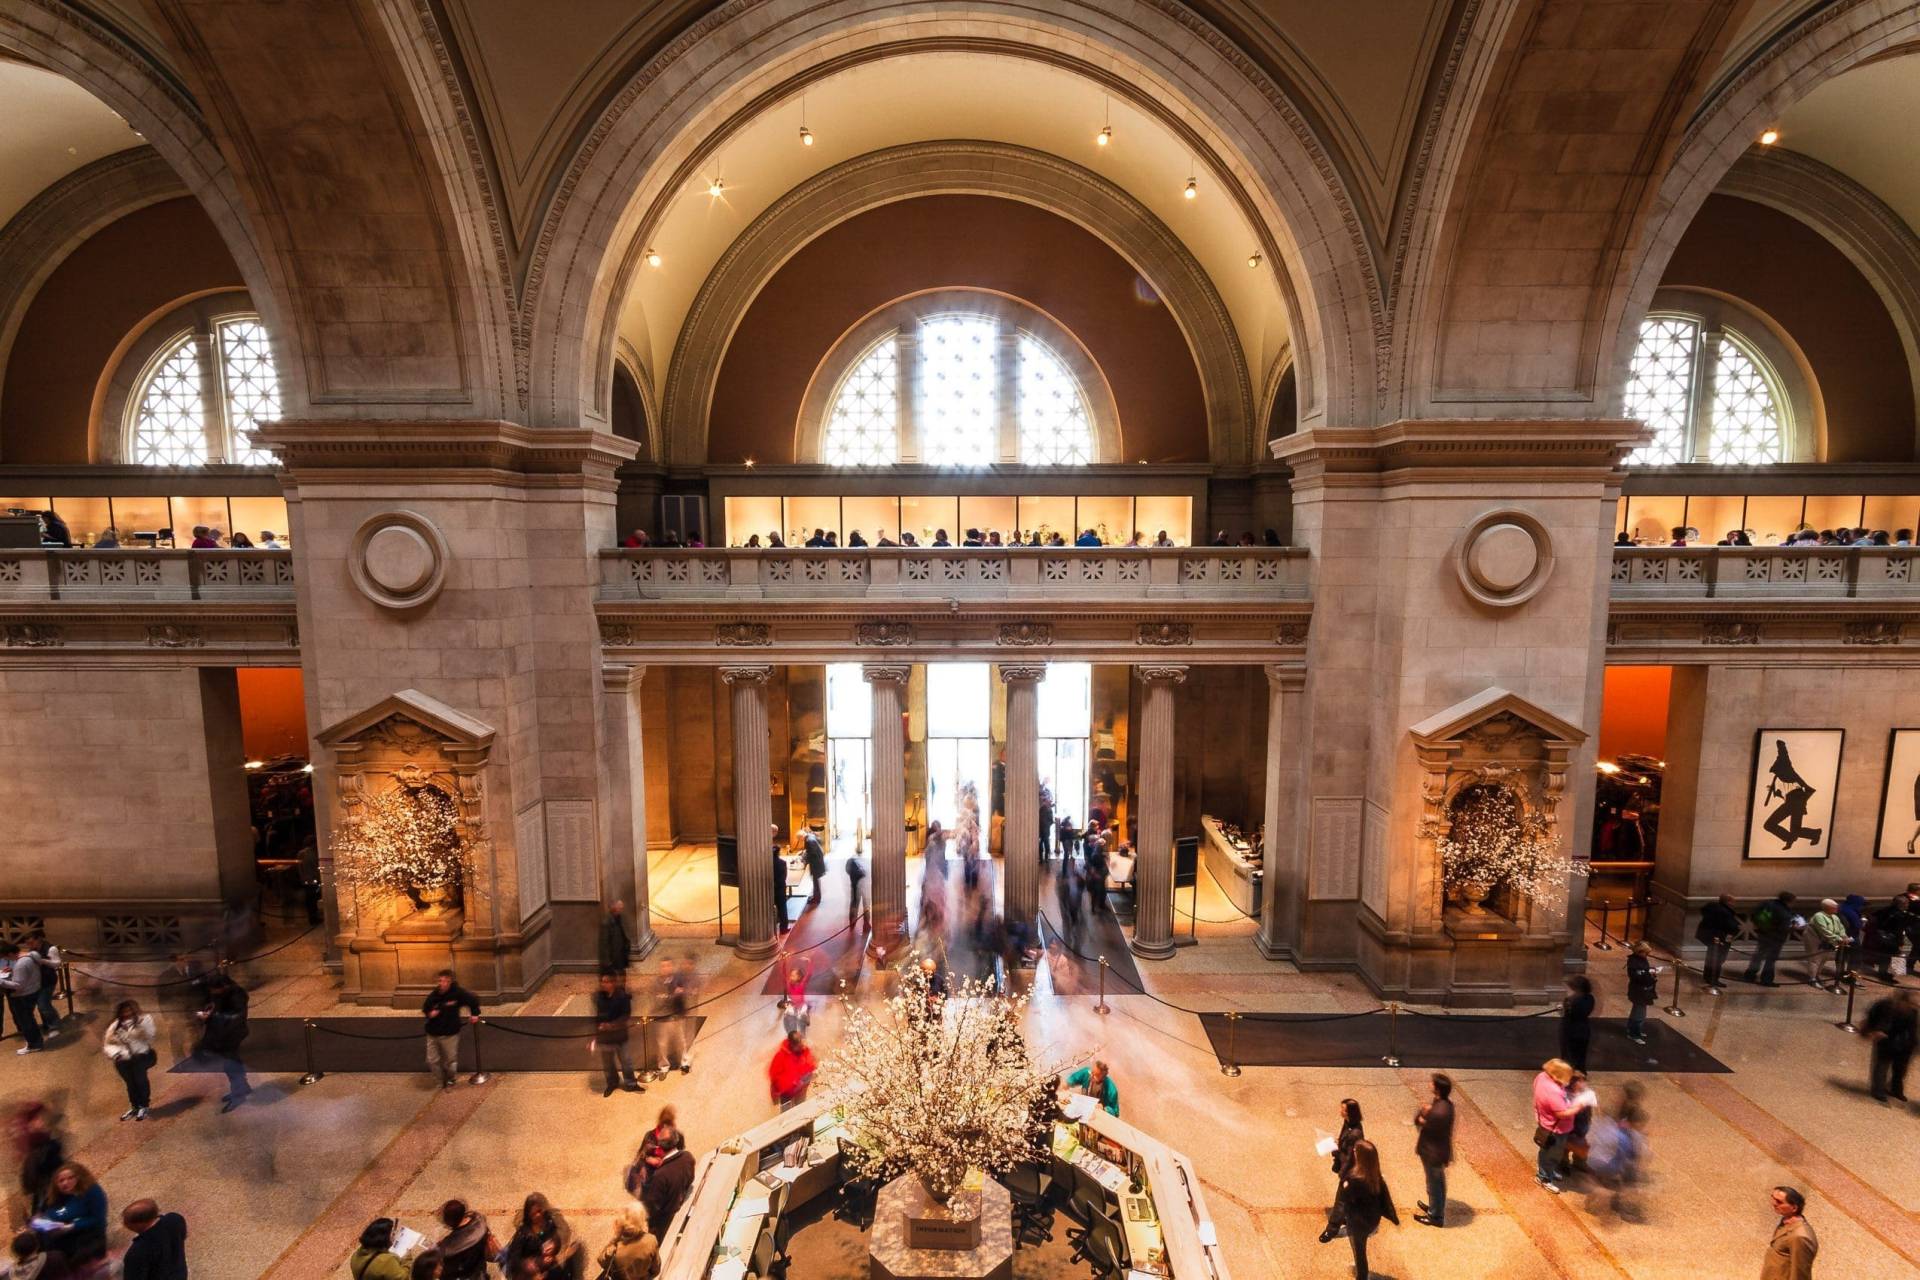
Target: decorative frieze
{"type": "Point", "coordinates": [743, 635]}
{"type": "Point", "coordinates": [1291, 633]}
{"type": "Point", "coordinates": [174, 635]}
{"type": "Point", "coordinates": [1024, 635]}
{"type": "Point", "coordinates": [617, 634]}
{"type": "Point", "coordinates": [1164, 634]}
{"type": "Point", "coordinates": [33, 635]}
{"type": "Point", "coordinates": [1730, 632]}
{"type": "Point", "coordinates": [882, 634]}
{"type": "Point", "coordinates": [1874, 631]}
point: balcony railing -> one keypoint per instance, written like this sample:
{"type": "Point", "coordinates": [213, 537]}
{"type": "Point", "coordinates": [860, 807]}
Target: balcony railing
{"type": "Point", "coordinates": [41, 574]}
{"type": "Point", "coordinates": [968, 573]}
{"type": "Point", "coordinates": [1773, 573]}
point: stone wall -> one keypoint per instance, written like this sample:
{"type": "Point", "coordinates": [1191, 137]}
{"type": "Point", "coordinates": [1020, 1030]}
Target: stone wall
{"type": "Point", "coordinates": [123, 789]}
{"type": "Point", "coordinates": [1715, 712]}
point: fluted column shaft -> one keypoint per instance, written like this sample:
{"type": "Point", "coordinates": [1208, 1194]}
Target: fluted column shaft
{"type": "Point", "coordinates": [1280, 876]}
{"type": "Point", "coordinates": [752, 809]}
{"type": "Point", "coordinates": [625, 778]}
{"type": "Point", "coordinates": [1021, 843]}
{"type": "Point", "coordinates": [887, 785]}
{"type": "Point", "coordinates": [1153, 858]}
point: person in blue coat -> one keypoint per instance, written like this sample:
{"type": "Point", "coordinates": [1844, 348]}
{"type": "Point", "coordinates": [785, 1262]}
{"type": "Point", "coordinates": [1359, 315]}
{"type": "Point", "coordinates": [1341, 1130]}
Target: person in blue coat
{"type": "Point", "coordinates": [74, 1223]}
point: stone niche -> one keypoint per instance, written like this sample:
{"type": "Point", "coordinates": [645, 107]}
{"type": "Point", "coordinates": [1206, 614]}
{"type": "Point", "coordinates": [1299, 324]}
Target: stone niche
{"type": "Point", "coordinates": [1505, 949]}
{"type": "Point", "coordinates": [392, 945]}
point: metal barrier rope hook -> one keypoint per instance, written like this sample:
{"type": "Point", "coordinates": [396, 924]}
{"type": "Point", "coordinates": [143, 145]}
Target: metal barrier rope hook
{"type": "Point", "coordinates": [1231, 1067]}
{"type": "Point", "coordinates": [1392, 1056]}
{"type": "Point", "coordinates": [314, 1074]}
{"type": "Point", "coordinates": [1102, 1006]}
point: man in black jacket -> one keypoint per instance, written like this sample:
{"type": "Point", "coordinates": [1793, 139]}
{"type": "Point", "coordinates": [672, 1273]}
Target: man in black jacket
{"type": "Point", "coordinates": [615, 947]}
{"type": "Point", "coordinates": [1434, 1146]}
{"type": "Point", "coordinates": [1892, 1024]}
{"type": "Point", "coordinates": [816, 859]}
{"type": "Point", "coordinates": [159, 1248]}
{"type": "Point", "coordinates": [612, 1016]}
{"type": "Point", "coordinates": [223, 1027]}
{"type": "Point", "coordinates": [1719, 926]}
{"type": "Point", "coordinates": [442, 1008]}
{"type": "Point", "coordinates": [666, 1189]}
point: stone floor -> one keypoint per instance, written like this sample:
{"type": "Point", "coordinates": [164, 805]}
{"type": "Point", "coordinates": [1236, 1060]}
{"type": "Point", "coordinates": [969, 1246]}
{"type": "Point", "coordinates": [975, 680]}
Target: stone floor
{"type": "Point", "coordinates": [281, 1187]}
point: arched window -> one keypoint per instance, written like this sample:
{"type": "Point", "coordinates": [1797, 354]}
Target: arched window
{"type": "Point", "coordinates": [1709, 394]}
{"type": "Point", "coordinates": [201, 394]}
{"type": "Point", "coordinates": [970, 385]}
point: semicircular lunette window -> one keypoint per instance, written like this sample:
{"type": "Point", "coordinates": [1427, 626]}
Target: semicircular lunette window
{"type": "Point", "coordinates": [863, 427]}
{"type": "Point", "coordinates": [1055, 428]}
{"type": "Point", "coordinates": [170, 425]}
{"type": "Point", "coordinates": [1748, 427]}
{"type": "Point", "coordinates": [1708, 396]}
{"type": "Point", "coordinates": [201, 396]}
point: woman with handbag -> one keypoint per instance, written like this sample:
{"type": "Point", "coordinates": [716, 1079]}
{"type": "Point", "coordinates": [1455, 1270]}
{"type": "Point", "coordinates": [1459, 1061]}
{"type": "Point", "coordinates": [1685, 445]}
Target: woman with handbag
{"type": "Point", "coordinates": [1351, 1132]}
{"type": "Point", "coordinates": [129, 1044]}
{"type": "Point", "coordinates": [1360, 1203]}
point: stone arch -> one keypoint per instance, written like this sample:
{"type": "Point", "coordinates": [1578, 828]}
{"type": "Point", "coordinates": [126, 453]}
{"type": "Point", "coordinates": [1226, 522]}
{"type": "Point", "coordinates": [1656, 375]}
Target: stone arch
{"type": "Point", "coordinates": [744, 57]}
{"type": "Point", "coordinates": [946, 168]}
{"type": "Point", "coordinates": [1875, 239]}
{"type": "Point", "coordinates": [125, 77]}
{"type": "Point", "coordinates": [60, 219]}
{"type": "Point", "coordinates": [631, 371]}
{"type": "Point", "coordinates": [1827, 43]}
{"type": "Point", "coordinates": [1537, 206]}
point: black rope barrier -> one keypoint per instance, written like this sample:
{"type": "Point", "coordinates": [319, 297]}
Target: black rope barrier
{"type": "Point", "coordinates": [188, 981]}
{"type": "Point", "coordinates": [540, 1035]}
{"type": "Point", "coordinates": [363, 1035]}
{"type": "Point", "coordinates": [673, 919]}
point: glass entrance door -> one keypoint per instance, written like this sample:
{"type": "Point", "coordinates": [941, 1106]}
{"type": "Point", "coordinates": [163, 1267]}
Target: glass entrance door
{"type": "Point", "coordinates": [849, 755]}
{"type": "Point", "coordinates": [958, 699]}
{"type": "Point", "coordinates": [1065, 716]}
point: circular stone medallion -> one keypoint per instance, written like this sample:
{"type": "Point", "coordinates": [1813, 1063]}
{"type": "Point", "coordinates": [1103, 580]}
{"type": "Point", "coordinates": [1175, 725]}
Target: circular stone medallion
{"type": "Point", "coordinates": [399, 559]}
{"type": "Point", "coordinates": [1504, 558]}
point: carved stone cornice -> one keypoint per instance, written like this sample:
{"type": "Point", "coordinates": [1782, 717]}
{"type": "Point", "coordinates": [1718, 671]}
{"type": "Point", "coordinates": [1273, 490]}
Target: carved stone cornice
{"type": "Point", "coordinates": [1870, 631]}
{"type": "Point", "coordinates": [175, 635]}
{"type": "Point", "coordinates": [1465, 447]}
{"type": "Point", "coordinates": [1024, 635]}
{"type": "Point", "coordinates": [743, 635]}
{"type": "Point", "coordinates": [32, 635]}
{"type": "Point", "coordinates": [1022, 672]}
{"type": "Point", "coordinates": [437, 452]}
{"type": "Point", "coordinates": [882, 634]}
{"type": "Point", "coordinates": [1164, 634]}
{"type": "Point", "coordinates": [1291, 634]}
{"type": "Point", "coordinates": [1730, 632]}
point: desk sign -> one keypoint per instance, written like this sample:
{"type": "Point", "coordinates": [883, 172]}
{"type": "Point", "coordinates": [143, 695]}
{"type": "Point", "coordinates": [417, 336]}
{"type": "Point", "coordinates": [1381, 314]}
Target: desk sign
{"type": "Point", "coordinates": [955, 1225]}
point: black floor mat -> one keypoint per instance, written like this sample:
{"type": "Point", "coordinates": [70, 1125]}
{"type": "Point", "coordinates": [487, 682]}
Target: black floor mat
{"type": "Point", "coordinates": [1447, 1040]}
{"type": "Point", "coordinates": [396, 1045]}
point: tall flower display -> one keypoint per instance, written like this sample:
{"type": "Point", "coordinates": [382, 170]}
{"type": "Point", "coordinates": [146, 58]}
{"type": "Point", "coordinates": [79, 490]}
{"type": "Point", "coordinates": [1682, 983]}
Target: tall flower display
{"type": "Point", "coordinates": [1494, 844]}
{"type": "Point", "coordinates": [407, 839]}
{"type": "Point", "coordinates": [935, 1085]}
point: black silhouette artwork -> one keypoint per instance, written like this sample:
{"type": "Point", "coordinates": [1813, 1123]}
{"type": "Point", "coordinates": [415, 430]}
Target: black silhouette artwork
{"type": "Point", "coordinates": [1899, 833]}
{"type": "Point", "coordinates": [1787, 824]}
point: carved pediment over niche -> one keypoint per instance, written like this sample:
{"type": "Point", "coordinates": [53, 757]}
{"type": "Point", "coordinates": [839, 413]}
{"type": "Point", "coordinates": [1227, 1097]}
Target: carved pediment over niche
{"type": "Point", "coordinates": [409, 725]}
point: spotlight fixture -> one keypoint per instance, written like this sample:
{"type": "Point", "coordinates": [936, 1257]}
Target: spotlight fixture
{"type": "Point", "coordinates": [1254, 259]}
{"type": "Point", "coordinates": [1104, 137]}
{"type": "Point", "coordinates": [1769, 137]}
{"type": "Point", "coordinates": [749, 462]}
{"type": "Point", "coordinates": [653, 258]}
{"type": "Point", "coordinates": [715, 187]}
{"type": "Point", "coordinates": [1193, 189]}
{"type": "Point", "coordinates": [806, 136]}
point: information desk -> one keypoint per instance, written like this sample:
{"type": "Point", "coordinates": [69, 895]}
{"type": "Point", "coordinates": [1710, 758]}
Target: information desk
{"type": "Point", "coordinates": [1168, 1231]}
{"type": "Point", "coordinates": [1166, 1224]}
{"type": "Point", "coordinates": [734, 1187]}
{"type": "Point", "coordinates": [1227, 863]}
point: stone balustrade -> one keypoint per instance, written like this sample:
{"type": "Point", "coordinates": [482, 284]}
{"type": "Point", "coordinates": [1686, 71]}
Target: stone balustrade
{"type": "Point", "coordinates": [963, 573]}
{"type": "Point", "coordinates": [1769, 573]}
{"type": "Point", "coordinates": [35, 575]}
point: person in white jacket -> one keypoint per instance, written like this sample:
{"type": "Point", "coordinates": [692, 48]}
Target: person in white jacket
{"type": "Point", "coordinates": [129, 1043]}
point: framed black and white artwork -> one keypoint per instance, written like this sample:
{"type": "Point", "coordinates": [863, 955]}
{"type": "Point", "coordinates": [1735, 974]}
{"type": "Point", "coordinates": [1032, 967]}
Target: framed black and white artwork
{"type": "Point", "coordinates": [1898, 835]}
{"type": "Point", "coordinates": [1790, 803]}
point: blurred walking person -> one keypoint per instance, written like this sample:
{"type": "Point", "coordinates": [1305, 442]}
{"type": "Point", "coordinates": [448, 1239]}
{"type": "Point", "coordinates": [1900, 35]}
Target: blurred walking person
{"type": "Point", "coordinates": [1434, 1146]}
{"type": "Point", "coordinates": [1359, 1205]}
{"type": "Point", "coordinates": [1892, 1024]}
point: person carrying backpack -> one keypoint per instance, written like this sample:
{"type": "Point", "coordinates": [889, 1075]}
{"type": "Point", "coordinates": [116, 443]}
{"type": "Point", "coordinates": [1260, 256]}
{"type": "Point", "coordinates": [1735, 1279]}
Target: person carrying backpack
{"type": "Point", "coordinates": [1772, 924]}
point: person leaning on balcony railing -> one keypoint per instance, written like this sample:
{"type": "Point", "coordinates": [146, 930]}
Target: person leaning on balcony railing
{"type": "Point", "coordinates": [109, 540]}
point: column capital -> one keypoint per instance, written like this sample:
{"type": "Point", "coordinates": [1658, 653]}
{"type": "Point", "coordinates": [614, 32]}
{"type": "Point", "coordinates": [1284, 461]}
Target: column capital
{"type": "Point", "coordinates": [1161, 673]}
{"type": "Point", "coordinates": [886, 672]}
{"type": "Point", "coordinates": [746, 675]}
{"type": "Point", "coordinates": [618, 677]}
{"type": "Point", "coordinates": [1022, 672]}
{"type": "Point", "coordinates": [1286, 678]}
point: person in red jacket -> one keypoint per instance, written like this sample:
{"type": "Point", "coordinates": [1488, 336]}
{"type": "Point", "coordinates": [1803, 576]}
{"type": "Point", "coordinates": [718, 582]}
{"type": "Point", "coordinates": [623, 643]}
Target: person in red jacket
{"type": "Point", "coordinates": [791, 1071]}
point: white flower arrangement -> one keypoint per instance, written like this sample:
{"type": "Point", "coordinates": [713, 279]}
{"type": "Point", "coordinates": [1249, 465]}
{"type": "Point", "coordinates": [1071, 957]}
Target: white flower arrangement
{"type": "Point", "coordinates": [936, 1085]}
{"type": "Point", "coordinates": [1493, 843]}
{"type": "Point", "coordinates": [407, 839]}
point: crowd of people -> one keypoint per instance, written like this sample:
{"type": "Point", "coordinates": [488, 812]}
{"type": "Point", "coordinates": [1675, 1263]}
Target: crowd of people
{"type": "Point", "coordinates": [984, 538]}
{"type": "Point", "coordinates": [64, 1212]}
{"type": "Point", "coordinates": [1843, 536]}
{"type": "Point", "coordinates": [55, 532]}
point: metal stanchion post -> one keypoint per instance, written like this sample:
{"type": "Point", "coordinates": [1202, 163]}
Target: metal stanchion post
{"type": "Point", "coordinates": [1673, 1010]}
{"type": "Point", "coordinates": [66, 985]}
{"type": "Point", "coordinates": [649, 1071]}
{"type": "Point", "coordinates": [1231, 1067]}
{"type": "Point", "coordinates": [1102, 1006]}
{"type": "Point", "coordinates": [1392, 1057]}
{"type": "Point", "coordinates": [1605, 909]}
{"type": "Point", "coordinates": [314, 1074]}
{"type": "Point", "coordinates": [480, 1075]}
{"type": "Point", "coordinates": [1847, 1025]}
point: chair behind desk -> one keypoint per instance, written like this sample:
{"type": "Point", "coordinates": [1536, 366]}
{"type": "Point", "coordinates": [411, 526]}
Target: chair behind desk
{"type": "Point", "coordinates": [761, 1264]}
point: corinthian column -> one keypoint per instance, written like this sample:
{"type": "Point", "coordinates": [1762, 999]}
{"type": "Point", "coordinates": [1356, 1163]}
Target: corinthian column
{"type": "Point", "coordinates": [624, 797]}
{"type": "Point", "coordinates": [1021, 843]}
{"type": "Point", "coordinates": [1153, 865]}
{"type": "Point", "coordinates": [1280, 876]}
{"type": "Point", "coordinates": [752, 809]}
{"type": "Point", "coordinates": [887, 786]}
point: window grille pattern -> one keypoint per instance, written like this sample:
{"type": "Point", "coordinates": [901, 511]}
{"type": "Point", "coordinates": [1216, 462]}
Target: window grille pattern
{"type": "Point", "coordinates": [170, 425]}
{"type": "Point", "coordinates": [1055, 428]}
{"type": "Point", "coordinates": [959, 404]}
{"type": "Point", "coordinates": [1747, 425]}
{"type": "Point", "coordinates": [1660, 388]}
{"type": "Point", "coordinates": [252, 387]}
{"type": "Point", "coordinates": [863, 426]}
{"type": "Point", "coordinates": [201, 396]}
